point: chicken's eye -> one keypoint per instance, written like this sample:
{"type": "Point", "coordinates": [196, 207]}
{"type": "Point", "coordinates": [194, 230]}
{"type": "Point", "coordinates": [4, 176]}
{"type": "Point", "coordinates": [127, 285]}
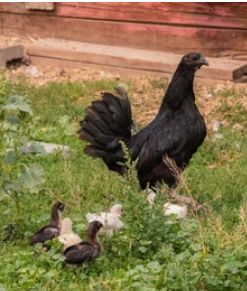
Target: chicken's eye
{"type": "Point", "coordinates": [194, 58]}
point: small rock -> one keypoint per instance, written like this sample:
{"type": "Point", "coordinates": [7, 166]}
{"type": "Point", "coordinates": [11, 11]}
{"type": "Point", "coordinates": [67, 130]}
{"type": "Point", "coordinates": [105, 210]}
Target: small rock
{"type": "Point", "coordinates": [238, 145]}
{"type": "Point", "coordinates": [238, 126]}
{"type": "Point", "coordinates": [105, 74]}
{"type": "Point", "coordinates": [218, 136]}
{"type": "Point", "coordinates": [33, 71]}
{"type": "Point", "coordinates": [52, 147]}
{"type": "Point", "coordinates": [216, 126]}
{"type": "Point", "coordinates": [48, 148]}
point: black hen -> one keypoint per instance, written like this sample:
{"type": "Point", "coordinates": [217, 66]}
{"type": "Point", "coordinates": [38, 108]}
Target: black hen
{"type": "Point", "coordinates": [177, 131]}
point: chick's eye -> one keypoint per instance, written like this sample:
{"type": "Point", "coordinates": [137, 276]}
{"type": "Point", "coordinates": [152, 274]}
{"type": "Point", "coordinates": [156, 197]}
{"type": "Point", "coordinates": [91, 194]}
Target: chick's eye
{"type": "Point", "coordinates": [194, 58]}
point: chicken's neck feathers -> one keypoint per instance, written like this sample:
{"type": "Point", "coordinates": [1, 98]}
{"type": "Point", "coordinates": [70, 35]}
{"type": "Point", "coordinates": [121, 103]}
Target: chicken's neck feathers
{"type": "Point", "coordinates": [93, 239]}
{"type": "Point", "coordinates": [180, 88]}
{"type": "Point", "coordinates": [56, 218]}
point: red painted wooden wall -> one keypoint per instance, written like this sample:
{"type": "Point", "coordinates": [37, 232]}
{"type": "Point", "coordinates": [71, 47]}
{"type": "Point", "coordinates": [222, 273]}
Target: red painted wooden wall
{"type": "Point", "coordinates": [215, 28]}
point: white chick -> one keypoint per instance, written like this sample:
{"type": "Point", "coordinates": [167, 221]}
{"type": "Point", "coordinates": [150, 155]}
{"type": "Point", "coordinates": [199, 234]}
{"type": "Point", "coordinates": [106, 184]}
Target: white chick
{"type": "Point", "coordinates": [179, 210]}
{"type": "Point", "coordinates": [67, 237]}
{"type": "Point", "coordinates": [110, 220]}
{"type": "Point", "coordinates": [151, 196]}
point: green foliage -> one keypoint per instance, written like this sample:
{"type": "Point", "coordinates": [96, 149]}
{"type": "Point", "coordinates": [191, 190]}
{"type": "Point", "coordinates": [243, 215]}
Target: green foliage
{"type": "Point", "coordinates": [207, 251]}
{"type": "Point", "coordinates": [17, 174]}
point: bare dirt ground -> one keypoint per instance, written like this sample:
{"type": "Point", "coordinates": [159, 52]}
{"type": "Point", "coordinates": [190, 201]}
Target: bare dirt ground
{"type": "Point", "coordinates": [145, 98]}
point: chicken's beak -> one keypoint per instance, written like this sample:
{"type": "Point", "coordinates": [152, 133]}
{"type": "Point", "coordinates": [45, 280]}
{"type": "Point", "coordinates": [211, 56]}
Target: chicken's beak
{"type": "Point", "coordinates": [205, 62]}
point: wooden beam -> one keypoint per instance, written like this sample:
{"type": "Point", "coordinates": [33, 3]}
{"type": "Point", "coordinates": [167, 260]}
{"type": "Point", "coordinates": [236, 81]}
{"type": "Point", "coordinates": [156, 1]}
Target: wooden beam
{"type": "Point", "coordinates": [159, 12]}
{"type": "Point", "coordinates": [234, 10]}
{"type": "Point", "coordinates": [220, 69]}
{"type": "Point", "coordinates": [63, 64]}
{"type": "Point", "coordinates": [210, 41]}
{"type": "Point", "coordinates": [216, 29]}
{"type": "Point", "coordinates": [1, 21]}
{"type": "Point", "coordinates": [224, 15]}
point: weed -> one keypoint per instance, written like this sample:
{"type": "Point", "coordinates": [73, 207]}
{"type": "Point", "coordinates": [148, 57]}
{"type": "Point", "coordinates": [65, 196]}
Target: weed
{"type": "Point", "coordinates": [16, 174]}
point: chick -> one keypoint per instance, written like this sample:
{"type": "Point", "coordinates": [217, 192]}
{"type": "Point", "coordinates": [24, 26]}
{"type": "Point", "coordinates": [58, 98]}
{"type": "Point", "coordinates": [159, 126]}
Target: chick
{"type": "Point", "coordinates": [179, 210]}
{"type": "Point", "coordinates": [67, 237]}
{"type": "Point", "coordinates": [110, 220]}
{"type": "Point", "coordinates": [85, 251]}
{"type": "Point", "coordinates": [52, 230]}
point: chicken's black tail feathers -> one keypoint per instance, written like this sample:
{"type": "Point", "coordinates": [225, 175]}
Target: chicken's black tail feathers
{"type": "Point", "coordinates": [107, 121]}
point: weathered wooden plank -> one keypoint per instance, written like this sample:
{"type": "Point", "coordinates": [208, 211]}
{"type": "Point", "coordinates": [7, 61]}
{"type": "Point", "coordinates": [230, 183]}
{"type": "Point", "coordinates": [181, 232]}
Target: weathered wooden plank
{"type": "Point", "coordinates": [146, 12]}
{"type": "Point", "coordinates": [155, 37]}
{"type": "Point", "coordinates": [149, 13]}
{"type": "Point", "coordinates": [1, 23]}
{"type": "Point", "coordinates": [62, 63]}
{"type": "Point", "coordinates": [128, 58]}
{"type": "Point", "coordinates": [235, 10]}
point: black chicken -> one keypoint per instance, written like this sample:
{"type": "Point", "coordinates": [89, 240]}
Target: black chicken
{"type": "Point", "coordinates": [176, 132]}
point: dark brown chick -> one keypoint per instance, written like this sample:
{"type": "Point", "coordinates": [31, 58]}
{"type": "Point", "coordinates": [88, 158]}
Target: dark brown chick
{"type": "Point", "coordinates": [52, 230]}
{"type": "Point", "coordinates": [85, 251]}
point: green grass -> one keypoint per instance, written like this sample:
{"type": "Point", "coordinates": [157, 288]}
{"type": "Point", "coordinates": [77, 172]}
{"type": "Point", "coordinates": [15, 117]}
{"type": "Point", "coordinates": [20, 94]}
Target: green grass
{"type": "Point", "coordinates": [208, 251]}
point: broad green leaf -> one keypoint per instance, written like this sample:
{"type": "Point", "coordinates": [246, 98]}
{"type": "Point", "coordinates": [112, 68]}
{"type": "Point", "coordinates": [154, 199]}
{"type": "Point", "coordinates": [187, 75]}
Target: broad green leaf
{"type": "Point", "coordinates": [13, 120]}
{"type": "Point", "coordinates": [154, 266]}
{"type": "Point", "coordinates": [25, 148]}
{"type": "Point", "coordinates": [37, 147]}
{"type": "Point", "coordinates": [10, 157]}
{"type": "Point", "coordinates": [50, 274]}
{"type": "Point", "coordinates": [142, 249]}
{"type": "Point", "coordinates": [14, 185]}
{"type": "Point", "coordinates": [24, 140]}
{"type": "Point", "coordinates": [142, 269]}
{"type": "Point", "coordinates": [2, 194]}
{"type": "Point", "coordinates": [32, 177]}
{"type": "Point", "coordinates": [6, 211]}
{"type": "Point", "coordinates": [136, 284]}
{"type": "Point", "coordinates": [33, 147]}
{"type": "Point", "coordinates": [17, 102]}
{"type": "Point", "coordinates": [5, 176]}
{"type": "Point", "coordinates": [145, 242]}
{"type": "Point", "coordinates": [192, 278]}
